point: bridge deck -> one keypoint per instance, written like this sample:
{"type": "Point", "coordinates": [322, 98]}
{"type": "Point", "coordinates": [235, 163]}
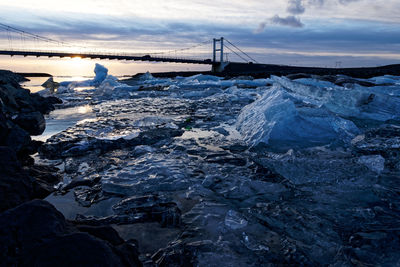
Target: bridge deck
{"type": "Point", "coordinates": [104, 56]}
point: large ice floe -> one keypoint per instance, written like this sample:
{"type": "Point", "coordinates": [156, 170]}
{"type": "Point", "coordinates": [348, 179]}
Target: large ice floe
{"type": "Point", "coordinates": [210, 171]}
{"type": "Point", "coordinates": [306, 113]}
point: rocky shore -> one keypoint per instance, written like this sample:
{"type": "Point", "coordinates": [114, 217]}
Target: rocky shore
{"type": "Point", "coordinates": [32, 231]}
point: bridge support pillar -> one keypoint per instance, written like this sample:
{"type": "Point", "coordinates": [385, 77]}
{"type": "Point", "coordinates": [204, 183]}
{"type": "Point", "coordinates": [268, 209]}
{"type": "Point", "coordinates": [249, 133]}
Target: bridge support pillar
{"type": "Point", "coordinates": [218, 66]}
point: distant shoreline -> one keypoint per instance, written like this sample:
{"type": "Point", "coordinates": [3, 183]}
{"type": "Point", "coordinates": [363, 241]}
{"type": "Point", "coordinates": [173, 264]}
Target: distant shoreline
{"type": "Point", "coordinates": [34, 74]}
{"type": "Point", "coordinates": [262, 70]}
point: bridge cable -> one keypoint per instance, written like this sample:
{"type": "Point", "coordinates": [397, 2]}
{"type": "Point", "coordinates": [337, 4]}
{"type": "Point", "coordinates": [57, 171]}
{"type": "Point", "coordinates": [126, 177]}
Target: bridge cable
{"type": "Point", "coordinates": [182, 49]}
{"type": "Point", "coordinates": [245, 60]}
{"type": "Point", "coordinates": [242, 51]}
{"type": "Point", "coordinates": [37, 37]}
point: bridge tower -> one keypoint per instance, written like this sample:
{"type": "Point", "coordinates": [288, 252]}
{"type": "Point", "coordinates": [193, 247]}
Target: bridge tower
{"type": "Point", "coordinates": [221, 49]}
{"type": "Point", "coordinates": [218, 66]}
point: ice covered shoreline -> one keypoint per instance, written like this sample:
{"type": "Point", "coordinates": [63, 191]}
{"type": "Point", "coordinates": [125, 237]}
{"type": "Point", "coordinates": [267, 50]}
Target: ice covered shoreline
{"type": "Point", "coordinates": [205, 170]}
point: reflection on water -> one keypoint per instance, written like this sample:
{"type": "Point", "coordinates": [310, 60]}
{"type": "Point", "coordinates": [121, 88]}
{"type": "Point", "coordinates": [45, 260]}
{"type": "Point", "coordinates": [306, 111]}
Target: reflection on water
{"type": "Point", "coordinates": [61, 119]}
{"type": "Point", "coordinates": [35, 83]}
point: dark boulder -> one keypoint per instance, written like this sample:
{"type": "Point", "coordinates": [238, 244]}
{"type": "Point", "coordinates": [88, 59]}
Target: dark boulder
{"type": "Point", "coordinates": [103, 232]}
{"type": "Point", "coordinates": [36, 234]}
{"type": "Point", "coordinates": [26, 226]}
{"type": "Point", "coordinates": [17, 138]}
{"type": "Point", "coordinates": [3, 128]}
{"type": "Point", "coordinates": [44, 104]}
{"type": "Point", "coordinates": [77, 249]}
{"type": "Point", "coordinates": [15, 183]}
{"type": "Point", "coordinates": [32, 122]}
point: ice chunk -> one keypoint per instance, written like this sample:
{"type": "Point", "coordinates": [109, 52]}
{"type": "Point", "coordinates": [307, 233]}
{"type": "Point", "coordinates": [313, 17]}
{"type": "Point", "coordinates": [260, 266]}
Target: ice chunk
{"type": "Point", "coordinates": [282, 122]}
{"type": "Point", "coordinates": [146, 76]}
{"type": "Point", "coordinates": [101, 74]}
{"type": "Point", "coordinates": [386, 79]}
{"type": "Point", "coordinates": [154, 121]}
{"type": "Point", "coordinates": [202, 77]}
{"type": "Point", "coordinates": [234, 220]}
{"type": "Point", "coordinates": [375, 163]}
{"type": "Point", "coordinates": [360, 103]}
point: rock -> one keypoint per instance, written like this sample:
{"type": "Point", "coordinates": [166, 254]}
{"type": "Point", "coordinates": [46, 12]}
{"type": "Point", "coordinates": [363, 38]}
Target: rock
{"type": "Point", "coordinates": [15, 183]}
{"type": "Point", "coordinates": [3, 128]}
{"type": "Point", "coordinates": [17, 139]}
{"type": "Point", "coordinates": [298, 76]}
{"type": "Point", "coordinates": [27, 226]}
{"type": "Point", "coordinates": [76, 249]}
{"type": "Point", "coordinates": [32, 122]}
{"type": "Point", "coordinates": [36, 234]}
{"type": "Point", "coordinates": [7, 76]}
{"type": "Point", "coordinates": [103, 232]}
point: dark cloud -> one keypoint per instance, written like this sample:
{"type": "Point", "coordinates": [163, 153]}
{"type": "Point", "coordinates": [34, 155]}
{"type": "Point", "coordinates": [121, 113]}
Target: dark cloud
{"type": "Point", "coordinates": [295, 7]}
{"type": "Point", "coordinates": [261, 27]}
{"type": "Point", "coordinates": [290, 21]}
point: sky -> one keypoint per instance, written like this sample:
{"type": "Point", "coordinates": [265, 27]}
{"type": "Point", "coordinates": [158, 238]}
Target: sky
{"type": "Point", "coordinates": [295, 32]}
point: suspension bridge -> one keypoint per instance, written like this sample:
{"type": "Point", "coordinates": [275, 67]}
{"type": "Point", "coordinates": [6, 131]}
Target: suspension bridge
{"type": "Point", "coordinates": [23, 43]}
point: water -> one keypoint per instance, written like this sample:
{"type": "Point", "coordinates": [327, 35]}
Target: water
{"type": "Point", "coordinates": [63, 117]}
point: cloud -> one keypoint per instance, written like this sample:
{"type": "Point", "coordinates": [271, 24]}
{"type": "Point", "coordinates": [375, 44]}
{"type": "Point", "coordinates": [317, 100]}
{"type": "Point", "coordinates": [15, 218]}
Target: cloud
{"type": "Point", "coordinates": [261, 27]}
{"type": "Point", "coordinates": [344, 2]}
{"type": "Point", "coordinates": [295, 7]}
{"type": "Point", "coordinates": [290, 21]}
